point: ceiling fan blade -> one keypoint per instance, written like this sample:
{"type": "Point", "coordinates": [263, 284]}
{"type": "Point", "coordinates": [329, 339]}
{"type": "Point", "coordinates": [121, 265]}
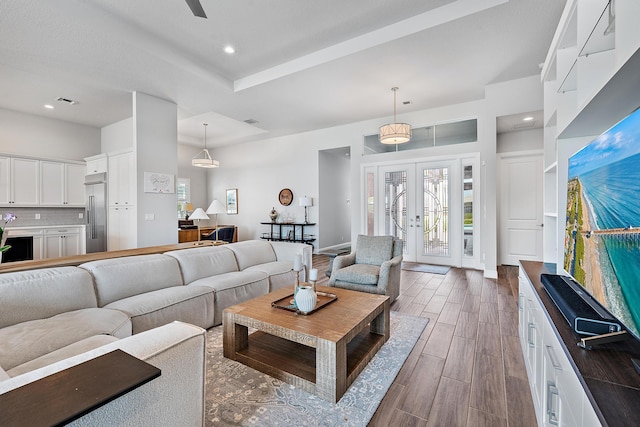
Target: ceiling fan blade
{"type": "Point", "coordinates": [196, 8]}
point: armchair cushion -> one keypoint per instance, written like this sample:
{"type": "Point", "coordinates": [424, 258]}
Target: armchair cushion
{"type": "Point", "coordinates": [365, 274]}
{"type": "Point", "coordinates": [373, 250]}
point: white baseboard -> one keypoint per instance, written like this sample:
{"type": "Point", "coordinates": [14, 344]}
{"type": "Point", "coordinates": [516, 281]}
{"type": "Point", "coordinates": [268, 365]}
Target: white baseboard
{"type": "Point", "coordinates": [491, 274]}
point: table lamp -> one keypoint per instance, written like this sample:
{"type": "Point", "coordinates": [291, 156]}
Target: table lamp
{"type": "Point", "coordinates": [199, 214]}
{"type": "Point", "coordinates": [305, 201]}
{"type": "Point", "coordinates": [215, 208]}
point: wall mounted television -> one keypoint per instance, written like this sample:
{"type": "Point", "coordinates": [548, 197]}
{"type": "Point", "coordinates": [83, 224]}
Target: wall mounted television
{"type": "Point", "coordinates": [602, 233]}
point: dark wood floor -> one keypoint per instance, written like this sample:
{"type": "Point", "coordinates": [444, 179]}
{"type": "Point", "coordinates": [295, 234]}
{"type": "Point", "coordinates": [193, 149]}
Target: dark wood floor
{"type": "Point", "coordinates": [467, 367]}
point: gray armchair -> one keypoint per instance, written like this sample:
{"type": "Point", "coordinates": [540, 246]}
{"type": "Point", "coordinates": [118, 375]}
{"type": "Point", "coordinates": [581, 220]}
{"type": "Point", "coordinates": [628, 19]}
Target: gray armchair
{"type": "Point", "coordinates": [373, 267]}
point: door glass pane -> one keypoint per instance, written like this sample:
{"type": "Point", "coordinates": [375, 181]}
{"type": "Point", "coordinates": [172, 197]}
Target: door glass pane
{"type": "Point", "coordinates": [395, 209]}
{"type": "Point", "coordinates": [468, 210]}
{"type": "Point", "coordinates": [436, 211]}
{"type": "Point", "coordinates": [370, 204]}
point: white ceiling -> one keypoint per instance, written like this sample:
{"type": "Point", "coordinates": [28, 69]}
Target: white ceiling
{"type": "Point", "coordinates": [300, 65]}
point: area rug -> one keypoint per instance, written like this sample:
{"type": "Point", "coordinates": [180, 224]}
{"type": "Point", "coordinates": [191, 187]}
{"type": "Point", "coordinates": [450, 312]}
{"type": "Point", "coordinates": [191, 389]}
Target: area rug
{"type": "Point", "coordinates": [425, 268]}
{"type": "Point", "coordinates": [237, 395]}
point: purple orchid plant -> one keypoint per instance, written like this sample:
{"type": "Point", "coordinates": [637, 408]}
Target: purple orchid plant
{"type": "Point", "coordinates": [7, 218]}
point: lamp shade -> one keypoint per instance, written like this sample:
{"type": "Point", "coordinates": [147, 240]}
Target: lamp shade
{"type": "Point", "coordinates": [199, 214]}
{"type": "Point", "coordinates": [216, 207]}
{"type": "Point", "coordinates": [305, 201]}
{"type": "Point", "coordinates": [395, 133]}
{"type": "Point", "coordinates": [204, 160]}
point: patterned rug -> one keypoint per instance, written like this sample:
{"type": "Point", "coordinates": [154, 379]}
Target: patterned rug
{"type": "Point", "coordinates": [237, 395]}
{"type": "Point", "coordinates": [425, 268]}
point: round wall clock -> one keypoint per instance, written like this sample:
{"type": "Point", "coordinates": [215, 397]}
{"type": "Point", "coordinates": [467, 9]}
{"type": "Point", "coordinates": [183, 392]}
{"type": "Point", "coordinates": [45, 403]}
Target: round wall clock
{"type": "Point", "coordinates": [285, 197]}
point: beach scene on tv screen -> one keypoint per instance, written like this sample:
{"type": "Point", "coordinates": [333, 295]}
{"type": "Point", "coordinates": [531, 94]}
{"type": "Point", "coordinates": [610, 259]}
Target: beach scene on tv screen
{"type": "Point", "coordinates": [602, 238]}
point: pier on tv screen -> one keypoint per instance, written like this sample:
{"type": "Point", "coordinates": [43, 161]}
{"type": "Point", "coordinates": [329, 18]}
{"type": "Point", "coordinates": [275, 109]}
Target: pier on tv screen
{"type": "Point", "coordinates": [602, 238]}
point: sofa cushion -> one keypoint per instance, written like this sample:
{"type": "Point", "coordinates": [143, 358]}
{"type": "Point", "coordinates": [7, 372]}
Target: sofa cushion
{"type": "Point", "coordinates": [373, 249]}
{"type": "Point", "coordinates": [30, 340]}
{"type": "Point", "coordinates": [62, 353]}
{"type": "Point", "coordinates": [197, 263]}
{"type": "Point", "coordinates": [120, 278]}
{"type": "Point", "coordinates": [365, 274]}
{"type": "Point", "coordinates": [233, 288]}
{"type": "Point", "coordinates": [252, 252]}
{"type": "Point", "coordinates": [280, 273]}
{"type": "Point", "coordinates": [189, 304]}
{"type": "Point", "coordinates": [39, 294]}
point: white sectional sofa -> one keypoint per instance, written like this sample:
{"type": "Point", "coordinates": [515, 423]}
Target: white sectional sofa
{"type": "Point", "coordinates": [53, 318]}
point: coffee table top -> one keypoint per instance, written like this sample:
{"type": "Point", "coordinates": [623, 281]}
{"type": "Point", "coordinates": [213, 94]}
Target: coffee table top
{"type": "Point", "coordinates": [333, 322]}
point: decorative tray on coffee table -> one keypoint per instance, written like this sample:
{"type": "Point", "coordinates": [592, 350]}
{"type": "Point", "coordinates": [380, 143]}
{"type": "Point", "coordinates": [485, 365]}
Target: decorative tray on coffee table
{"type": "Point", "coordinates": [286, 303]}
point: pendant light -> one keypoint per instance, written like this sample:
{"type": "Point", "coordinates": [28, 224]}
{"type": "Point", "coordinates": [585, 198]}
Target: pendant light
{"type": "Point", "coordinates": [395, 133]}
{"type": "Point", "coordinates": [203, 159]}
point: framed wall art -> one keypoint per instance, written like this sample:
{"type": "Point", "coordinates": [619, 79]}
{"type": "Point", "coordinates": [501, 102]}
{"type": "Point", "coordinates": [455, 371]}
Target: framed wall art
{"type": "Point", "coordinates": [158, 183]}
{"type": "Point", "coordinates": [232, 201]}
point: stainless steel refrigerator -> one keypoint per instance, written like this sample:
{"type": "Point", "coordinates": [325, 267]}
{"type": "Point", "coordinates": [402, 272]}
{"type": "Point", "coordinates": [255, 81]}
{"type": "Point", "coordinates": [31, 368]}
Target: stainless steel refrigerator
{"type": "Point", "coordinates": [96, 211]}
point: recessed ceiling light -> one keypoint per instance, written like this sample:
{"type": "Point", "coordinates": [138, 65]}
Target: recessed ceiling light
{"type": "Point", "coordinates": [229, 50]}
{"type": "Point", "coordinates": [49, 106]}
{"type": "Point", "coordinates": [528, 119]}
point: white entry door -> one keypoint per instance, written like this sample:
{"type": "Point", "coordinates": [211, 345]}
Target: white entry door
{"type": "Point", "coordinates": [521, 211]}
{"type": "Point", "coordinates": [429, 205]}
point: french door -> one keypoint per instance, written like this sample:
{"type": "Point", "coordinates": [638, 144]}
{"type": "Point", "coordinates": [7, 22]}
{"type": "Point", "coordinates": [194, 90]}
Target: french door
{"type": "Point", "coordinates": [429, 205]}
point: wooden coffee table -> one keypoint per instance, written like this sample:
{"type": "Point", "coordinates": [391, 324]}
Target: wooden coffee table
{"type": "Point", "coordinates": [321, 353]}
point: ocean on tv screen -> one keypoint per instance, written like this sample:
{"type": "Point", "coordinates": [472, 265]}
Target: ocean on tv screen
{"type": "Point", "coordinates": [602, 239]}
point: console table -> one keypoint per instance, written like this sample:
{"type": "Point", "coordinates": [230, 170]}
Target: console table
{"type": "Point", "coordinates": [571, 385]}
{"type": "Point", "coordinates": [69, 394]}
{"type": "Point", "coordinates": [288, 232]}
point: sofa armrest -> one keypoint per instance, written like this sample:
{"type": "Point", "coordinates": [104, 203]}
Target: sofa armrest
{"type": "Point", "coordinates": [390, 274]}
{"type": "Point", "coordinates": [339, 262]}
{"type": "Point", "coordinates": [175, 398]}
{"type": "Point", "coordinates": [285, 251]}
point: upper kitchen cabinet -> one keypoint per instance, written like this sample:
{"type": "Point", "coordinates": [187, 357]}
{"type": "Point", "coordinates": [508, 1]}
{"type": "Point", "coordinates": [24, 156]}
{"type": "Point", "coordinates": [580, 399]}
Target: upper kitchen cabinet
{"type": "Point", "coordinates": [96, 164]}
{"type": "Point", "coordinates": [19, 181]}
{"type": "Point", "coordinates": [61, 184]}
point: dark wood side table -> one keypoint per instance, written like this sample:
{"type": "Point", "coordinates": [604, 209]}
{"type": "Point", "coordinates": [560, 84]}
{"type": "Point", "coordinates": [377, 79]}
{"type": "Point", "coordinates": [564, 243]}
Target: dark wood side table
{"type": "Point", "coordinates": [67, 395]}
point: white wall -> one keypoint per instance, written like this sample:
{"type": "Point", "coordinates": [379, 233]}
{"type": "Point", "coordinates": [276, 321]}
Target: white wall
{"type": "Point", "coordinates": [155, 140]}
{"type": "Point", "coordinates": [31, 135]}
{"type": "Point", "coordinates": [117, 136]}
{"type": "Point", "coordinates": [261, 169]}
{"type": "Point", "coordinates": [525, 140]}
{"type": "Point", "coordinates": [333, 203]}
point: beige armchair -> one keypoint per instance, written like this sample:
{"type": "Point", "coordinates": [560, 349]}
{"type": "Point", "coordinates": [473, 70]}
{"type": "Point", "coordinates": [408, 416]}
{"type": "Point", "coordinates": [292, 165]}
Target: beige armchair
{"type": "Point", "coordinates": [373, 267]}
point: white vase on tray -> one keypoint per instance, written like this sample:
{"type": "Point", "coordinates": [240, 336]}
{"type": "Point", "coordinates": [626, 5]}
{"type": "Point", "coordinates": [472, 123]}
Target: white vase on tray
{"type": "Point", "coordinates": [306, 299]}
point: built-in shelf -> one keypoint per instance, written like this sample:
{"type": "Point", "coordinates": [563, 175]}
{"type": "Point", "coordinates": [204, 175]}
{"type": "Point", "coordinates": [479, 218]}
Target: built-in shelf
{"type": "Point", "coordinates": [602, 36]}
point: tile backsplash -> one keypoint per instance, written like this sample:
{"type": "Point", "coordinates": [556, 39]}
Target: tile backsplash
{"type": "Point", "coordinates": [26, 217]}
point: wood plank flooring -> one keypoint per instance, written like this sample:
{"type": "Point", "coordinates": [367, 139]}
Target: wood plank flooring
{"type": "Point", "coordinates": [467, 367]}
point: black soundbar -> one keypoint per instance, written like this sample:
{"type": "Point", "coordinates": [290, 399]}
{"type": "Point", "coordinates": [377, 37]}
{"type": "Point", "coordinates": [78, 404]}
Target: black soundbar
{"type": "Point", "coordinates": [581, 310]}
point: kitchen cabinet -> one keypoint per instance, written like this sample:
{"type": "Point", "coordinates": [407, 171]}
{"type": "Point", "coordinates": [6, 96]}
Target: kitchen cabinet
{"type": "Point", "coordinates": [121, 177]}
{"type": "Point", "coordinates": [121, 228]}
{"type": "Point", "coordinates": [63, 241]}
{"type": "Point", "coordinates": [19, 181]}
{"type": "Point", "coordinates": [61, 184]}
{"type": "Point", "coordinates": [96, 164]}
